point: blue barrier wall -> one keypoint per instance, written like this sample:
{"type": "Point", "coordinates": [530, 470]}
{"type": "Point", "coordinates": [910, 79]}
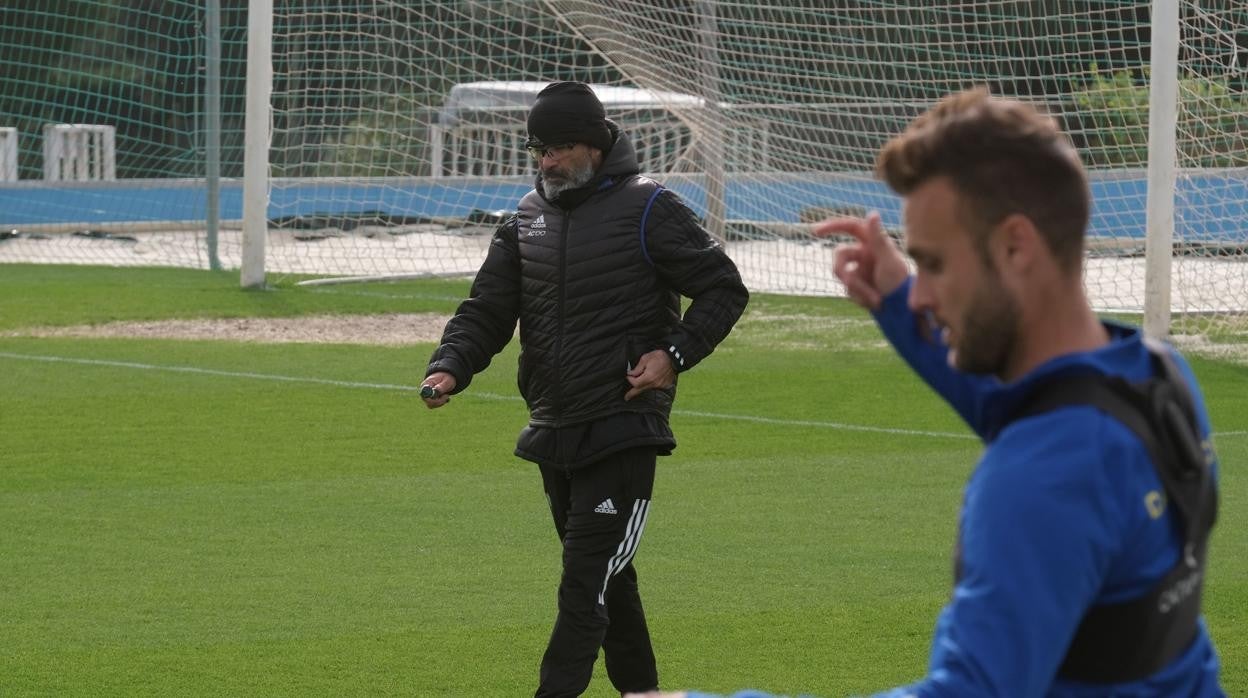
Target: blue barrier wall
{"type": "Point", "coordinates": [1213, 207]}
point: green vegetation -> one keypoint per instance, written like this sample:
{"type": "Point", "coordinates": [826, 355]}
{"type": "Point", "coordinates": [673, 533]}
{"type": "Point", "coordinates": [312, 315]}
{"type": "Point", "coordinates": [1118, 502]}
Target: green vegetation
{"type": "Point", "coordinates": [1212, 121]}
{"type": "Point", "coordinates": [218, 518]}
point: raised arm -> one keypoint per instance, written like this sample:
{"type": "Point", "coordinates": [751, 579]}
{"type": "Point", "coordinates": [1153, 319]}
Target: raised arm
{"type": "Point", "coordinates": [876, 277]}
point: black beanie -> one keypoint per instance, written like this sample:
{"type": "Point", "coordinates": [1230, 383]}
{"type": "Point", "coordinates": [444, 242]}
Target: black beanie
{"type": "Point", "coordinates": [569, 112]}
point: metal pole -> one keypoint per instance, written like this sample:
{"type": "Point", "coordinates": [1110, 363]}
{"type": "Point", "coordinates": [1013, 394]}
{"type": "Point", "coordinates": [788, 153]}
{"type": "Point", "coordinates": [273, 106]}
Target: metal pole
{"type": "Point", "coordinates": [212, 118]}
{"type": "Point", "coordinates": [713, 154]}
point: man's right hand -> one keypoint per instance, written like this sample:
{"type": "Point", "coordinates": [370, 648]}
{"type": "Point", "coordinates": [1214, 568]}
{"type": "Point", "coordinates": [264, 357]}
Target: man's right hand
{"type": "Point", "coordinates": [871, 267]}
{"type": "Point", "coordinates": [443, 383]}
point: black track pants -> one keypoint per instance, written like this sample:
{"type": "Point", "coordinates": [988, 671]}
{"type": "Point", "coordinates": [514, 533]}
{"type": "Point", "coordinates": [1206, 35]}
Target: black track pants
{"type": "Point", "coordinates": [600, 513]}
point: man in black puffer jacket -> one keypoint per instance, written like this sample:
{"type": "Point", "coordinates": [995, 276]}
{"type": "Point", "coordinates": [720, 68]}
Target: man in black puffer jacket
{"type": "Point", "coordinates": [593, 265]}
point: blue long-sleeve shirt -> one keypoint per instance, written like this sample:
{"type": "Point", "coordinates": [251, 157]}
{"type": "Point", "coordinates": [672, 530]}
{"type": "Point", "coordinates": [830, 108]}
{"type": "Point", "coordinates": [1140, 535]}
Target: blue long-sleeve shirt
{"type": "Point", "coordinates": [1054, 521]}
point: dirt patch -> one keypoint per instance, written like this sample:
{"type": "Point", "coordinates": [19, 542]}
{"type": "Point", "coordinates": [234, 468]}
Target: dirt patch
{"type": "Point", "coordinates": [390, 329]}
{"type": "Point", "coordinates": [396, 329]}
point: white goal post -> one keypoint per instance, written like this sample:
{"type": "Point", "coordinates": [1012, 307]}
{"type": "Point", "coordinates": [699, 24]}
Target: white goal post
{"type": "Point", "coordinates": [256, 137]}
{"type": "Point", "coordinates": [1163, 103]}
{"type": "Point", "coordinates": [390, 141]}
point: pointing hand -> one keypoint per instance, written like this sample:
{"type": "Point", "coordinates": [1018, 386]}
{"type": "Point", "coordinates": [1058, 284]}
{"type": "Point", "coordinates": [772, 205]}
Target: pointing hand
{"type": "Point", "coordinates": [872, 266]}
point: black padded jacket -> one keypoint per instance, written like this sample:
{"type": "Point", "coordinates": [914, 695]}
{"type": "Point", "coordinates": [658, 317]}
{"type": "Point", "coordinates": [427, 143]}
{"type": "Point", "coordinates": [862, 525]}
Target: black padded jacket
{"type": "Point", "coordinates": [594, 280]}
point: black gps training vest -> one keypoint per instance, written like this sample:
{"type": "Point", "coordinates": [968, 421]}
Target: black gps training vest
{"type": "Point", "coordinates": [1117, 643]}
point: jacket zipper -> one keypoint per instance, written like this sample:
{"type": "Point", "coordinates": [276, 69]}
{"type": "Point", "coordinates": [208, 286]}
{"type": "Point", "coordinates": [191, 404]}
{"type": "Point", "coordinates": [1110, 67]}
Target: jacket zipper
{"type": "Point", "coordinates": [563, 294]}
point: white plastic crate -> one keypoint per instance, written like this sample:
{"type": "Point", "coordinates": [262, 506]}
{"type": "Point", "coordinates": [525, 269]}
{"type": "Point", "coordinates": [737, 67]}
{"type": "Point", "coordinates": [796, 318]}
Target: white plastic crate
{"type": "Point", "coordinates": [8, 154]}
{"type": "Point", "coordinates": [79, 152]}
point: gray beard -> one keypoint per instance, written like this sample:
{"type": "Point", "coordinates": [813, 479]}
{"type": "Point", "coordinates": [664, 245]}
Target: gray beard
{"type": "Point", "coordinates": [576, 178]}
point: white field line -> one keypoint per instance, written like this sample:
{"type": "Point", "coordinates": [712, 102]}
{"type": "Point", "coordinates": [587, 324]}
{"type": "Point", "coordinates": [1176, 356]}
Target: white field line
{"type": "Point", "coordinates": [493, 396]}
{"type": "Point", "coordinates": [477, 394]}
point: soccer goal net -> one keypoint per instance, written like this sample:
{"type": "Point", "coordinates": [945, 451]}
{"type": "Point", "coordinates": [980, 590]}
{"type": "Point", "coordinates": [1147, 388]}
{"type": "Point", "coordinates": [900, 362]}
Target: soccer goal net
{"type": "Point", "coordinates": [386, 137]}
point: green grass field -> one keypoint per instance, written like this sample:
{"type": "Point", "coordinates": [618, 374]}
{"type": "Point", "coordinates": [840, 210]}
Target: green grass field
{"type": "Point", "coordinates": [227, 518]}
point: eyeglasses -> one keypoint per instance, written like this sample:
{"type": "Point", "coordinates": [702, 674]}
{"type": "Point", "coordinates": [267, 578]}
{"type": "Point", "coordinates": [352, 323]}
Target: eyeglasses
{"type": "Point", "coordinates": [556, 152]}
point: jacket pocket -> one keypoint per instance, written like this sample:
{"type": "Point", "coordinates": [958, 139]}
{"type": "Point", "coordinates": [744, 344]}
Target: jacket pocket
{"type": "Point", "coordinates": [523, 373]}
